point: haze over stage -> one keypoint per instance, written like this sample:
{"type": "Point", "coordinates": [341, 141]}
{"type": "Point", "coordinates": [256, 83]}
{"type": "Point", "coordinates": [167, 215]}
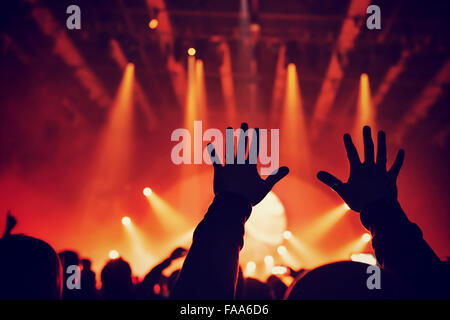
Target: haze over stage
{"type": "Point", "coordinates": [86, 118]}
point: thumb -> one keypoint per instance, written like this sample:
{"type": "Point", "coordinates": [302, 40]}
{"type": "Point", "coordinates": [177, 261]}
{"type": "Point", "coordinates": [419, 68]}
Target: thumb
{"type": "Point", "coordinates": [276, 176]}
{"type": "Point", "coordinates": [330, 180]}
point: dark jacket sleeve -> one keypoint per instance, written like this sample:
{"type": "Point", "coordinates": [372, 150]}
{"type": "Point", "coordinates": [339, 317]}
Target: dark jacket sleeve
{"type": "Point", "coordinates": [399, 247]}
{"type": "Point", "coordinates": [211, 265]}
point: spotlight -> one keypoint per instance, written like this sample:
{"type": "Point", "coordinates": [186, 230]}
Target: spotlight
{"type": "Point", "coordinates": [113, 254]}
{"type": "Point", "coordinates": [364, 258]}
{"type": "Point", "coordinates": [251, 267]}
{"type": "Point", "coordinates": [268, 260]}
{"type": "Point", "coordinates": [346, 206]}
{"type": "Point", "coordinates": [147, 192]}
{"type": "Point", "coordinates": [191, 51]}
{"type": "Point", "coordinates": [282, 250]}
{"type": "Point", "coordinates": [366, 237]}
{"type": "Point", "coordinates": [287, 235]}
{"type": "Point", "coordinates": [153, 24]}
{"type": "Point", "coordinates": [279, 270]}
{"type": "Point", "coordinates": [126, 221]}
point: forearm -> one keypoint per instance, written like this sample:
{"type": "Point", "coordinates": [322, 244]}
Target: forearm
{"type": "Point", "coordinates": [398, 243]}
{"type": "Point", "coordinates": [210, 268]}
{"type": "Point", "coordinates": [155, 274]}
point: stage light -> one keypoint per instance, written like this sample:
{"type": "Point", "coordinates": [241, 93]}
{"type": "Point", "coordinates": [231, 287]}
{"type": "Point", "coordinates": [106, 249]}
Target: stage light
{"type": "Point", "coordinates": [113, 254]}
{"type": "Point", "coordinates": [153, 24]}
{"type": "Point", "coordinates": [282, 250]}
{"type": "Point", "coordinates": [346, 206]}
{"type": "Point", "coordinates": [287, 235]}
{"type": "Point", "coordinates": [250, 269]}
{"type": "Point", "coordinates": [126, 221]}
{"type": "Point", "coordinates": [268, 260]}
{"type": "Point", "coordinates": [364, 258]}
{"type": "Point", "coordinates": [279, 270]}
{"type": "Point", "coordinates": [147, 192]}
{"type": "Point", "coordinates": [191, 51]}
{"type": "Point", "coordinates": [366, 237]}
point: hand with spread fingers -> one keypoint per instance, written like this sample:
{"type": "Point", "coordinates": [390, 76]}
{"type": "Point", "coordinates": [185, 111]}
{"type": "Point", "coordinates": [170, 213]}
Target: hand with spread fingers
{"type": "Point", "coordinates": [369, 181]}
{"type": "Point", "coordinates": [243, 178]}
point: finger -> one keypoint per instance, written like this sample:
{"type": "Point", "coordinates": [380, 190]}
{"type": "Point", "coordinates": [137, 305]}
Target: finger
{"type": "Point", "coordinates": [381, 150]}
{"type": "Point", "coordinates": [257, 141]}
{"type": "Point", "coordinates": [276, 176]}
{"type": "Point", "coordinates": [253, 149]}
{"type": "Point", "coordinates": [241, 151]}
{"type": "Point", "coordinates": [330, 180]}
{"type": "Point", "coordinates": [395, 169]}
{"type": "Point", "coordinates": [368, 145]}
{"type": "Point", "coordinates": [213, 156]}
{"type": "Point", "coordinates": [229, 146]}
{"type": "Point", "coordinates": [352, 154]}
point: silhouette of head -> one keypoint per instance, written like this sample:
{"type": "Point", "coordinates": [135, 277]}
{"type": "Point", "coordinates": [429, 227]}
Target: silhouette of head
{"type": "Point", "coordinates": [29, 269]}
{"type": "Point", "coordinates": [256, 290]}
{"type": "Point", "coordinates": [345, 280]}
{"type": "Point", "coordinates": [278, 287]}
{"type": "Point", "coordinates": [68, 258]}
{"type": "Point", "coordinates": [86, 263]}
{"type": "Point", "coordinates": [117, 280]}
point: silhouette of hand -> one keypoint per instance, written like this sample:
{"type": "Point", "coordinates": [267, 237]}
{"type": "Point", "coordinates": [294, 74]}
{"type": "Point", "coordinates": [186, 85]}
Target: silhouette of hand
{"type": "Point", "coordinates": [369, 181]}
{"type": "Point", "coordinates": [244, 178]}
{"type": "Point", "coordinates": [178, 253]}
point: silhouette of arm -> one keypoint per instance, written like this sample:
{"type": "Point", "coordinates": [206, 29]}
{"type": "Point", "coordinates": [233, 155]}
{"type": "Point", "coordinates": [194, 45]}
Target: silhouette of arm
{"type": "Point", "coordinates": [154, 275]}
{"type": "Point", "coordinates": [211, 266]}
{"type": "Point", "coordinates": [10, 224]}
{"type": "Point", "coordinates": [371, 190]}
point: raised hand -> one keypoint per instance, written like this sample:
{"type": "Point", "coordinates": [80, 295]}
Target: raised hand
{"type": "Point", "coordinates": [244, 178]}
{"type": "Point", "coordinates": [369, 181]}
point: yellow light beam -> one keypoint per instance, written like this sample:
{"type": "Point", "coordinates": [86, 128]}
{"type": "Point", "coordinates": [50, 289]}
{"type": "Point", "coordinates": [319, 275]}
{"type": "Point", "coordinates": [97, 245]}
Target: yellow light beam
{"type": "Point", "coordinates": [140, 258]}
{"type": "Point", "coordinates": [294, 136]}
{"type": "Point", "coordinates": [226, 78]}
{"type": "Point", "coordinates": [191, 97]}
{"type": "Point", "coordinates": [200, 90]}
{"type": "Point", "coordinates": [321, 226]}
{"type": "Point", "coordinates": [365, 114]}
{"type": "Point", "coordinates": [308, 256]}
{"type": "Point", "coordinates": [354, 246]}
{"type": "Point", "coordinates": [170, 219]}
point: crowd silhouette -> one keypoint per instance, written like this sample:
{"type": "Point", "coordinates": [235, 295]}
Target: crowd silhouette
{"type": "Point", "coordinates": [31, 269]}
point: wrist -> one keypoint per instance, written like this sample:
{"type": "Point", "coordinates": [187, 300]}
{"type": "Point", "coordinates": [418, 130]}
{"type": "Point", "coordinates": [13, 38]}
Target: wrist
{"type": "Point", "coordinates": [382, 214]}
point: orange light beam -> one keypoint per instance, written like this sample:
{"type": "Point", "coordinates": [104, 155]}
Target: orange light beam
{"type": "Point", "coordinates": [355, 246]}
{"type": "Point", "coordinates": [349, 31]}
{"type": "Point", "coordinates": [200, 89]}
{"type": "Point", "coordinates": [191, 97]}
{"type": "Point", "coordinates": [114, 145]}
{"type": "Point", "coordinates": [226, 79]}
{"type": "Point", "coordinates": [288, 258]}
{"type": "Point", "coordinates": [309, 257]}
{"type": "Point", "coordinates": [141, 258]}
{"type": "Point", "coordinates": [365, 114]}
{"type": "Point", "coordinates": [321, 226]}
{"type": "Point", "coordinates": [142, 102]}
{"type": "Point", "coordinates": [294, 134]}
{"type": "Point", "coordinates": [170, 218]}
{"type": "Point", "coordinates": [279, 85]}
